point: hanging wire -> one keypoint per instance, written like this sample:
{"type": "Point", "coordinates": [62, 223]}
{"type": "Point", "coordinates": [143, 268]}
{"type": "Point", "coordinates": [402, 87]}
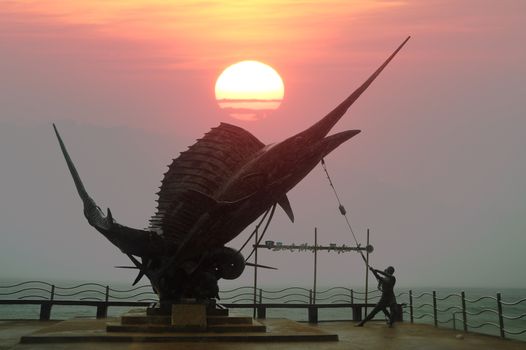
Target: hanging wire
{"type": "Point", "coordinates": [341, 207]}
{"type": "Point", "coordinates": [264, 231]}
{"type": "Point", "coordinates": [255, 230]}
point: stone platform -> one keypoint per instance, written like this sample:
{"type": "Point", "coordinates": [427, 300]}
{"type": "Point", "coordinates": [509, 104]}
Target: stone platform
{"type": "Point", "coordinates": [83, 331]}
{"type": "Point", "coordinates": [215, 320]}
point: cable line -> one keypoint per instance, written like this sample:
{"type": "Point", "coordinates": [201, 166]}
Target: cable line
{"type": "Point", "coordinates": [341, 207]}
{"type": "Point", "coordinates": [264, 230]}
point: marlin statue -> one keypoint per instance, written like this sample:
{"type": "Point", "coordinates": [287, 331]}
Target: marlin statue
{"type": "Point", "coordinates": [209, 195]}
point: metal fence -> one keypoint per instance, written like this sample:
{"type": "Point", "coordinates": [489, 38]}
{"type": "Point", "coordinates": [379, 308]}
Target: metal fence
{"type": "Point", "coordinates": [47, 295]}
{"type": "Point", "coordinates": [39, 290]}
{"type": "Point", "coordinates": [484, 314]}
{"type": "Point", "coordinates": [290, 295]}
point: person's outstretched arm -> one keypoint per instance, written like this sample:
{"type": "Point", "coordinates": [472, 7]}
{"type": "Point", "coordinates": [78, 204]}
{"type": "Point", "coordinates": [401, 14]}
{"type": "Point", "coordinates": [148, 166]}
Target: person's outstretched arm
{"type": "Point", "coordinates": [381, 273]}
{"type": "Point", "coordinates": [375, 273]}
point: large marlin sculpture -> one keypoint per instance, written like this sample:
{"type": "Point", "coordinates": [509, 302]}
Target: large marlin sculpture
{"type": "Point", "coordinates": [209, 195]}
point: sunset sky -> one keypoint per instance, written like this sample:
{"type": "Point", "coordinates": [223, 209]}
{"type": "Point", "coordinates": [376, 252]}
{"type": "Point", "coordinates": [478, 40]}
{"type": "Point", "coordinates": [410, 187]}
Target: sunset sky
{"type": "Point", "coordinates": [438, 173]}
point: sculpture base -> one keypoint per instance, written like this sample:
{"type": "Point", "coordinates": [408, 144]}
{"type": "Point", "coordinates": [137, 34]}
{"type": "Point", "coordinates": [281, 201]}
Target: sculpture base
{"type": "Point", "coordinates": [184, 318]}
{"type": "Point", "coordinates": [87, 331]}
{"type": "Point", "coordinates": [189, 317]}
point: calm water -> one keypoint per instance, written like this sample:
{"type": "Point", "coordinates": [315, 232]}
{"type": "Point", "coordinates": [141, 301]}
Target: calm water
{"type": "Point", "coordinates": [481, 314]}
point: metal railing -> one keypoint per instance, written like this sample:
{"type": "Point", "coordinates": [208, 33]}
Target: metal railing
{"type": "Point", "coordinates": [455, 310]}
{"type": "Point", "coordinates": [85, 291]}
{"type": "Point", "coordinates": [485, 314]}
{"type": "Point", "coordinates": [46, 295]}
{"type": "Point", "coordinates": [334, 295]}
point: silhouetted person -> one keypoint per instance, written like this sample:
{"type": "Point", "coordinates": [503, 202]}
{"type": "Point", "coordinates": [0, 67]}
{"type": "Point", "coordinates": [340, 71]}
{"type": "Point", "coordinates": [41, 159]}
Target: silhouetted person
{"type": "Point", "coordinates": [386, 283]}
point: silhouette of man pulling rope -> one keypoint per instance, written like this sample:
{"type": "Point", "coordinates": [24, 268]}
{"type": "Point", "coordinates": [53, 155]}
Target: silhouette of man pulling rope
{"type": "Point", "coordinates": [386, 283]}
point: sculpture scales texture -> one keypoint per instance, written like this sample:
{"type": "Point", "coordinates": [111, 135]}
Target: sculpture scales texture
{"type": "Point", "coordinates": [209, 195]}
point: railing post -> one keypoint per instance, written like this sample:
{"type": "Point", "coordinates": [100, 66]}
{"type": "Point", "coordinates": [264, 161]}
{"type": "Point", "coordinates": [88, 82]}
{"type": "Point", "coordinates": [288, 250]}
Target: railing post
{"type": "Point", "coordinates": [45, 310]}
{"type": "Point", "coordinates": [313, 314]}
{"type": "Point", "coordinates": [261, 310]}
{"type": "Point", "coordinates": [102, 309]}
{"type": "Point", "coordinates": [454, 318]}
{"type": "Point", "coordinates": [464, 314]}
{"type": "Point", "coordinates": [310, 296]}
{"type": "Point", "coordinates": [435, 318]}
{"type": "Point", "coordinates": [352, 296]}
{"type": "Point", "coordinates": [501, 318]}
{"type": "Point", "coordinates": [411, 306]}
{"type": "Point", "coordinates": [52, 292]}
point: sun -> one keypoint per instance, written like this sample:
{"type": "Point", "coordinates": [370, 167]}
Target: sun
{"type": "Point", "coordinates": [249, 90]}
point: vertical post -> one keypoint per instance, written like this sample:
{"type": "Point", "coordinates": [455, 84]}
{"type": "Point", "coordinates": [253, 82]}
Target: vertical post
{"type": "Point", "coordinates": [464, 315]}
{"type": "Point", "coordinates": [262, 311]}
{"type": "Point", "coordinates": [52, 292]}
{"type": "Point", "coordinates": [411, 306]}
{"type": "Point", "coordinates": [435, 318]}
{"type": "Point", "coordinates": [255, 270]}
{"type": "Point", "coordinates": [366, 274]}
{"type": "Point", "coordinates": [313, 314]}
{"type": "Point", "coordinates": [315, 264]}
{"type": "Point", "coordinates": [454, 320]}
{"type": "Point", "coordinates": [312, 311]}
{"type": "Point", "coordinates": [102, 309]}
{"type": "Point", "coordinates": [310, 296]}
{"type": "Point", "coordinates": [501, 318]}
{"type": "Point", "coordinates": [352, 296]}
{"type": "Point", "coordinates": [45, 310]}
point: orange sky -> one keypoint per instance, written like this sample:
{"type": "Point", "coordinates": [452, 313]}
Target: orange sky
{"type": "Point", "coordinates": [199, 35]}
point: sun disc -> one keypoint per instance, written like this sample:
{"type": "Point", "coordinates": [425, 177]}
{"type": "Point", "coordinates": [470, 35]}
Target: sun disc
{"type": "Point", "coordinates": [249, 90]}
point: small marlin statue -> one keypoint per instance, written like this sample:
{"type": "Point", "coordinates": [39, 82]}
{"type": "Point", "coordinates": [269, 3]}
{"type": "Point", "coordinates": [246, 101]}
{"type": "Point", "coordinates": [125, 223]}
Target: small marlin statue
{"type": "Point", "coordinates": [209, 195]}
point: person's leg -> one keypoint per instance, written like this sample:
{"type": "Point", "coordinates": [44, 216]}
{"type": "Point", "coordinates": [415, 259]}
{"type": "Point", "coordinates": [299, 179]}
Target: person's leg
{"type": "Point", "coordinates": [369, 317]}
{"type": "Point", "coordinates": [387, 314]}
{"type": "Point", "coordinates": [393, 308]}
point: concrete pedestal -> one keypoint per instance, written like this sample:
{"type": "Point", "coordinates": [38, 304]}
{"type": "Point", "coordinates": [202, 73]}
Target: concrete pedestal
{"type": "Point", "coordinates": [189, 317]}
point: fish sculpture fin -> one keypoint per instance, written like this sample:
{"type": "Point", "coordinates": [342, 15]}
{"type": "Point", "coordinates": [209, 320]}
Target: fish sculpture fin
{"type": "Point", "coordinates": [195, 178]}
{"type": "Point", "coordinates": [128, 240]}
{"type": "Point", "coordinates": [285, 205]}
{"type": "Point", "coordinates": [260, 266]}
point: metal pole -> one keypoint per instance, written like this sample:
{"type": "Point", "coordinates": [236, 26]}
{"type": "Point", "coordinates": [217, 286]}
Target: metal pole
{"type": "Point", "coordinates": [411, 305]}
{"type": "Point", "coordinates": [255, 270]}
{"type": "Point", "coordinates": [464, 315]}
{"type": "Point", "coordinates": [435, 316]}
{"type": "Point", "coordinates": [501, 319]}
{"type": "Point", "coordinates": [315, 263]}
{"type": "Point", "coordinates": [366, 274]}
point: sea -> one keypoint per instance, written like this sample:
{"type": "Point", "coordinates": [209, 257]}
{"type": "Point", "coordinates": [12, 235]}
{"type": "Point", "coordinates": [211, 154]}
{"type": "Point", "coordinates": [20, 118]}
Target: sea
{"type": "Point", "coordinates": [481, 304]}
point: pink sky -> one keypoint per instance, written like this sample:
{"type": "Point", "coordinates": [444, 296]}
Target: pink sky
{"type": "Point", "coordinates": [439, 163]}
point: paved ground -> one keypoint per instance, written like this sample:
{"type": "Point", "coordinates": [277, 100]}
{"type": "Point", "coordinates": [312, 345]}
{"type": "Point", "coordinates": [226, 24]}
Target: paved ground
{"type": "Point", "coordinates": [11, 331]}
{"type": "Point", "coordinates": [374, 335]}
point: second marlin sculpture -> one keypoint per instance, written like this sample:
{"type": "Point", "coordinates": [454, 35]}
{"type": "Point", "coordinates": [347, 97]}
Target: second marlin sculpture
{"type": "Point", "coordinates": [209, 195]}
